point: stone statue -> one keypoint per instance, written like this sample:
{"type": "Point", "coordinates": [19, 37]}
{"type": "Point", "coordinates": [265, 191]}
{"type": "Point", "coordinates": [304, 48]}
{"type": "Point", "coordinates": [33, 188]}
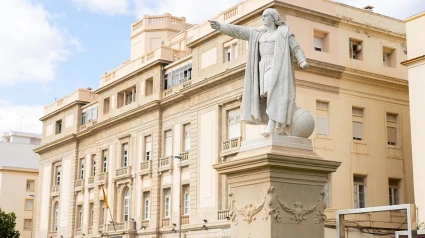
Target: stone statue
{"type": "Point", "coordinates": [269, 86]}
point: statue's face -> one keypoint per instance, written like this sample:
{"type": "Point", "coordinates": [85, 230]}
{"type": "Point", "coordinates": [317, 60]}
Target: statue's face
{"type": "Point", "coordinates": [267, 18]}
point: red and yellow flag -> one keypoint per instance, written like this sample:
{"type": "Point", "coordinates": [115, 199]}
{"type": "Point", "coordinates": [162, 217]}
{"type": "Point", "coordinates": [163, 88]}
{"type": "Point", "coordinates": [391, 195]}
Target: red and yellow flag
{"type": "Point", "coordinates": [105, 198]}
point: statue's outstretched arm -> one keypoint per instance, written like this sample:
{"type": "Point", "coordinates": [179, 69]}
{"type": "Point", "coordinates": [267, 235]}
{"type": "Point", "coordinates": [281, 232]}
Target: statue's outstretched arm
{"type": "Point", "coordinates": [240, 32]}
{"type": "Point", "coordinates": [296, 50]}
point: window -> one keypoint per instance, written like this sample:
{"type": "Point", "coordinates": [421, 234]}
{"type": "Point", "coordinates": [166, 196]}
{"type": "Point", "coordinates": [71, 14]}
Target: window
{"type": "Point", "coordinates": [359, 192]}
{"type": "Point", "coordinates": [58, 127]}
{"type": "Point", "coordinates": [357, 123]}
{"type": "Point", "coordinates": [146, 211]}
{"type": "Point", "coordinates": [89, 115]}
{"type": "Point", "coordinates": [167, 203]}
{"type": "Point", "coordinates": [186, 200]}
{"type": "Point", "coordinates": [30, 185]}
{"type": "Point", "coordinates": [177, 76]}
{"type": "Point", "coordinates": [388, 57]}
{"type": "Point", "coordinates": [105, 161]}
{"type": "Point", "coordinates": [321, 41]}
{"type": "Point", "coordinates": [355, 49]}
{"type": "Point", "coordinates": [322, 121]}
{"type": "Point", "coordinates": [148, 147]}
{"type": "Point", "coordinates": [82, 169]}
{"type": "Point", "coordinates": [391, 129]}
{"type": "Point", "coordinates": [93, 159]}
{"type": "Point", "coordinates": [148, 87]}
{"type": "Point", "coordinates": [56, 217]}
{"type": "Point", "coordinates": [227, 53]}
{"type": "Point", "coordinates": [106, 105]}
{"type": "Point", "coordinates": [79, 216]}
{"type": "Point", "coordinates": [168, 143]}
{"type": "Point", "coordinates": [126, 97]}
{"type": "Point", "coordinates": [230, 50]}
{"type": "Point", "coordinates": [393, 186]}
{"type": "Point", "coordinates": [91, 223]}
{"type": "Point", "coordinates": [102, 213]}
{"type": "Point", "coordinates": [27, 224]}
{"type": "Point", "coordinates": [28, 204]}
{"type": "Point", "coordinates": [233, 123]}
{"type": "Point", "coordinates": [125, 155]}
{"type": "Point", "coordinates": [58, 175]}
{"type": "Point", "coordinates": [127, 205]}
{"type": "Point", "coordinates": [186, 137]}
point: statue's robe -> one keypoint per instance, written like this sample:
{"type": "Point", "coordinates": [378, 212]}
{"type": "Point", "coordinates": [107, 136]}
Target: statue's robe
{"type": "Point", "coordinates": [280, 103]}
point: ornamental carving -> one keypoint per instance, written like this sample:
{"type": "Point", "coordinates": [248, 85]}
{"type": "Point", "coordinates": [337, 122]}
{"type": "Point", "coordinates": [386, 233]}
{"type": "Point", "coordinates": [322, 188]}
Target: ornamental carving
{"type": "Point", "coordinates": [273, 206]}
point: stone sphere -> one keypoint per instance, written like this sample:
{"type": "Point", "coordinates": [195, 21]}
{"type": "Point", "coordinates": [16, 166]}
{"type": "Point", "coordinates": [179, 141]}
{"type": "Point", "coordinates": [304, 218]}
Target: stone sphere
{"type": "Point", "coordinates": [302, 124]}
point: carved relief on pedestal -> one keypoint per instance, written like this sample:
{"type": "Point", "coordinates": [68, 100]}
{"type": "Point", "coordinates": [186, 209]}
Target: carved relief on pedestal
{"type": "Point", "coordinates": [272, 206]}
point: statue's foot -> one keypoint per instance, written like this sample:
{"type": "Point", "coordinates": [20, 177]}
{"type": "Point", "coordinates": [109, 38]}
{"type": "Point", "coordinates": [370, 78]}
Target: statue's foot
{"type": "Point", "coordinates": [271, 127]}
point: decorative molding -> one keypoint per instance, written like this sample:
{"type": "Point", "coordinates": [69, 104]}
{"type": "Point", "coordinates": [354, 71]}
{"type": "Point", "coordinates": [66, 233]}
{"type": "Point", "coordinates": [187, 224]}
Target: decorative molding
{"type": "Point", "coordinates": [272, 206]}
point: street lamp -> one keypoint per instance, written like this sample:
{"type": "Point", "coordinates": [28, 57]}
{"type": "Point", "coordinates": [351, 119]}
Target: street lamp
{"type": "Point", "coordinates": [180, 194]}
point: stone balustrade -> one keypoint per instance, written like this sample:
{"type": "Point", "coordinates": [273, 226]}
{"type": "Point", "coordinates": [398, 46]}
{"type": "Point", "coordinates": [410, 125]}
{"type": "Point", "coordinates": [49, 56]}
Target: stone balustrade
{"type": "Point", "coordinates": [230, 144]}
{"type": "Point", "coordinates": [90, 180]}
{"type": "Point", "coordinates": [185, 219]}
{"type": "Point", "coordinates": [125, 171]}
{"type": "Point", "coordinates": [145, 223]}
{"type": "Point", "coordinates": [223, 214]}
{"type": "Point", "coordinates": [166, 163]}
{"type": "Point", "coordinates": [165, 222]}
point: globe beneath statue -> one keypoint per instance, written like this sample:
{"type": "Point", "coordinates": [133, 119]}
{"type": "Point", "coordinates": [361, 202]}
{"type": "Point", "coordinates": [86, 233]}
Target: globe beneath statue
{"type": "Point", "coordinates": [302, 124]}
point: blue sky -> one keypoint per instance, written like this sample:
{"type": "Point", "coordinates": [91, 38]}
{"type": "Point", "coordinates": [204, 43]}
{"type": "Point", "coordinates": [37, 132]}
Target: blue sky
{"type": "Point", "coordinates": [49, 48]}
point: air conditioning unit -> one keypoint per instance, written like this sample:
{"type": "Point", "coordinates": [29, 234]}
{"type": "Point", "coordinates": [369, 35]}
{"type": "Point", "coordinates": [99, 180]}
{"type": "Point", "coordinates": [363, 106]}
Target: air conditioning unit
{"type": "Point", "coordinates": [357, 48]}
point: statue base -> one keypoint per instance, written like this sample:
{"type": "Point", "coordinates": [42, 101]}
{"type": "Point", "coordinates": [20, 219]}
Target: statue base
{"type": "Point", "coordinates": [276, 188]}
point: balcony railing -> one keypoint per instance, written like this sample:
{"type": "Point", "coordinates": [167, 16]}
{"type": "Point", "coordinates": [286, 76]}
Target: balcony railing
{"type": "Point", "coordinates": [90, 230]}
{"type": "Point", "coordinates": [166, 163]}
{"type": "Point", "coordinates": [87, 125]}
{"type": "Point", "coordinates": [185, 219]}
{"type": "Point", "coordinates": [165, 222]}
{"type": "Point", "coordinates": [90, 180]}
{"type": "Point", "coordinates": [184, 155]}
{"type": "Point", "coordinates": [55, 190]}
{"type": "Point", "coordinates": [230, 146]}
{"type": "Point", "coordinates": [223, 214]}
{"type": "Point", "coordinates": [146, 167]}
{"type": "Point", "coordinates": [145, 223]}
{"type": "Point", "coordinates": [123, 171]}
{"type": "Point", "coordinates": [78, 232]}
{"type": "Point", "coordinates": [122, 226]}
{"type": "Point", "coordinates": [102, 178]}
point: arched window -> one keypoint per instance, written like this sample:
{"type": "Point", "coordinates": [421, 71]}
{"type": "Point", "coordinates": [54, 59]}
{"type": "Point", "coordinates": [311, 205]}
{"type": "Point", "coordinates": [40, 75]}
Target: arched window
{"type": "Point", "coordinates": [56, 216]}
{"type": "Point", "coordinates": [127, 204]}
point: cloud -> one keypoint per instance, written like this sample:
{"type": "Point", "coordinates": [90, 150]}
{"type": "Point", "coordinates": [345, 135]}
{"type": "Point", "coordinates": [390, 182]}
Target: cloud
{"type": "Point", "coordinates": [106, 7]}
{"type": "Point", "coordinates": [194, 11]}
{"type": "Point", "coordinates": [20, 117]}
{"type": "Point", "coordinates": [396, 9]}
{"type": "Point", "coordinates": [31, 45]}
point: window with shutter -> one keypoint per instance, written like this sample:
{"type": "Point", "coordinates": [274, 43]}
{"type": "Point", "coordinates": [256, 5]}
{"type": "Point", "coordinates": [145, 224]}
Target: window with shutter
{"type": "Point", "coordinates": [322, 125]}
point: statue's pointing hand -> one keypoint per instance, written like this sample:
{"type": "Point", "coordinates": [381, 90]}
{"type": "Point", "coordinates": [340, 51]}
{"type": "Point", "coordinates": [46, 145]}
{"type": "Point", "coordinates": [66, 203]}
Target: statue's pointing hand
{"type": "Point", "coordinates": [304, 65]}
{"type": "Point", "coordinates": [214, 24]}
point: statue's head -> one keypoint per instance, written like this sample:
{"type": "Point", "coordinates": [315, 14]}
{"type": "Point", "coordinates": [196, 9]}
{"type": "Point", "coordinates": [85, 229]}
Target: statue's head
{"type": "Point", "coordinates": [271, 16]}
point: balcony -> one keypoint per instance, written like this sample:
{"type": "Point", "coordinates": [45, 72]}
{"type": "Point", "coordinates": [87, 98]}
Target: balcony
{"type": "Point", "coordinates": [102, 178]}
{"type": "Point", "coordinates": [185, 219]}
{"type": "Point", "coordinates": [79, 185]}
{"type": "Point", "coordinates": [78, 232]}
{"type": "Point", "coordinates": [185, 157]}
{"type": "Point", "coordinates": [223, 214]}
{"type": "Point", "coordinates": [146, 167]}
{"type": "Point", "coordinates": [90, 230]}
{"type": "Point", "coordinates": [145, 224]}
{"type": "Point", "coordinates": [166, 163]}
{"type": "Point", "coordinates": [90, 181]}
{"type": "Point", "coordinates": [165, 222]}
{"type": "Point", "coordinates": [55, 190]}
{"type": "Point", "coordinates": [230, 146]}
{"type": "Point", "coordinates": [123, 172]}
{"type": "Point", "coordinates": [121, 226]}
{"type": "Point", "coordinates": [100, 229]}
{"type": "Point", "coordinates": [87, 125]}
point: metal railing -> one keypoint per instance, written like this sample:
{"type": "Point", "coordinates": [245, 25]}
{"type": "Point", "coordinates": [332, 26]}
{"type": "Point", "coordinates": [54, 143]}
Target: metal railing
{"type": "Point", "coordinates": [230, 144]}
{"type": "Point", "coordinates": [223, 214]}
{"type": "Point", "coordinates": [184, 155]}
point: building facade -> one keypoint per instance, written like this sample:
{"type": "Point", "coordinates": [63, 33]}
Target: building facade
{"type": "Point", "coordinates": [180, 95]}
{"type": "Point", "coordinates": [18, 178]}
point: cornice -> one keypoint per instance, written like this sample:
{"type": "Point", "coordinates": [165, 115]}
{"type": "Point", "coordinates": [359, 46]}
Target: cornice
{"type": "Point", "coordinates": [414, 60]}
{"type": "Point", "coordinates": [54, 144]}
{"type": "Point", "coordinates": [62, 108]}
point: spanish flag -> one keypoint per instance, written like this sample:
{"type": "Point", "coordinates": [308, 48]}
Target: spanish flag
{"type": "Point", "coordinates": [105, 198]}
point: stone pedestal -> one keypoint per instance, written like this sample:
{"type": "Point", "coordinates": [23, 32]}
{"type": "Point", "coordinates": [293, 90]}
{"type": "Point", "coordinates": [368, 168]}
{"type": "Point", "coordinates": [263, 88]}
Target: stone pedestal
{"type": "Point", "coordinates": [276, 188]}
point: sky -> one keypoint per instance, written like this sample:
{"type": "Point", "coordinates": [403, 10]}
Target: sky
{"type": "Point", "coordinates": [49, 48]}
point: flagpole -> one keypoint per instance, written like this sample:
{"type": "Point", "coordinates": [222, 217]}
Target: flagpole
{"type": "Point", "coordinates": [113, 223]}
{"type": "Point", "coordinates": [105, 200]}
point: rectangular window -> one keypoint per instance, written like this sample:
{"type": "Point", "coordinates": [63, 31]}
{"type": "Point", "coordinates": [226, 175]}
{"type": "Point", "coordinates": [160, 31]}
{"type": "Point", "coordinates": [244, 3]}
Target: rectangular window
{"type": "Point", "coordinates": [30, 185]}
{"type": "Point", "coordinates": [126, 97]}
{"type": "Point", "coordinates": [89, 115]}
{"type": "Point", "coordinates": [394, 187]}
{"type": "Point", "coordinates": [27, 224]}
{"type": "Point", "coordinates": [358, 123]}
{"type": "Point", "coordinates": [320, 42]}
{"type": "Point", "coordinates": [391, 129]}
{"type": "Point", "coordinates": [58, 127]}
{"type": "Point", "coordinates": [146, 207]}
{"type": "Point", "coordinates": [148, 148]}
{"type": "Point", "coordinates": [230, 50]}
{"type": "Point", "coordinates": [91, 223]}
{"type": "Point", "coordinates": [106, 105]}
{"type": "Point", "coordinates": [105, 161]}
{"type": "Point", "coordinates": [186, 199]}
{"type": "Point", "coordinates": [168, 143]}
{"type": "Point", "coordinates": [388, 57]}
{"type": "Point", "coordinates": [227, 54]}
{"type": "Point", "coordinates": [28, 204]}
{"type": "Point", "coordinates": [125, 155]}
{"type": "Point", "coordinates": [102, 212]}
{"type": "Point", "coordinates": [177, 76]}
{"type": "Point", "coordinates": [359, 192]}
{"type": "Point", "coordinates": [58, 175]}
{"type": "Point", "coordinates": [355, 49]}
{"type": "Point", "coordinates": [233, 123]}
{"type": "Point", "coordinates": [186, 137]}
{"type": "Point", "coordinates": [167, 203]}
{"type": "Point", "coordinates": [148, 87]}
{"type": "Point", "coordinates": [322, 121]}
{"type": "Point", "coordinates": [82, 169]}
{"type": "Point", "coordinates": [93, 159]}
{"type": "Point", "coordinates": [79, 216]}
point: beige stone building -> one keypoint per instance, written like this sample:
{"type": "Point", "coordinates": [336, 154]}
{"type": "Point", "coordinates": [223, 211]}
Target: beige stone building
{"type": "Point", "coordinates": [180, 94]}
{"type": "Point", "coordinates": [18, 178]}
